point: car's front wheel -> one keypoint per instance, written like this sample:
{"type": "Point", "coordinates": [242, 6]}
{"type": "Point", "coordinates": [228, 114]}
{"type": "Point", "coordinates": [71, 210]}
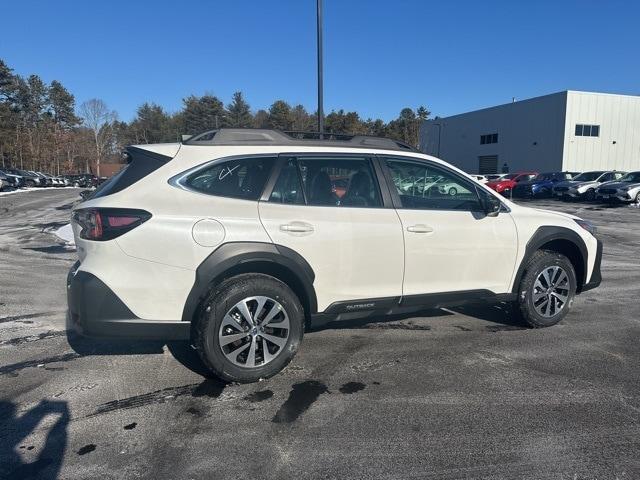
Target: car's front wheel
{"type": "Point", "coordinates": [249, 328]}
{"type": "Point", "coordinates": [547, 289]}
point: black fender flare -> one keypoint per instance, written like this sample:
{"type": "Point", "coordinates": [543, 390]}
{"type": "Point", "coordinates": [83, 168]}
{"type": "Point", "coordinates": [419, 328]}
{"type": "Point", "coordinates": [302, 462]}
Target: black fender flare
{"type": "Point", "coordinates": [544, 235]}
{"type": "Point", "coordinates": [238, 257]}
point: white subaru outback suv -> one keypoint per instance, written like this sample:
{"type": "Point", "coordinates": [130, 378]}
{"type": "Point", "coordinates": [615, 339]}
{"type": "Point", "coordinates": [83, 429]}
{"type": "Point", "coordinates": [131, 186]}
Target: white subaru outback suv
{"type": "Point", "coordinates": [240, 239]}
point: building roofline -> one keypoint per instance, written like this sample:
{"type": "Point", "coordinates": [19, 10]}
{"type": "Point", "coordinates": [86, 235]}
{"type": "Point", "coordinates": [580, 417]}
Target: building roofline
{"type": "Point", "coordinates": [562, 92]}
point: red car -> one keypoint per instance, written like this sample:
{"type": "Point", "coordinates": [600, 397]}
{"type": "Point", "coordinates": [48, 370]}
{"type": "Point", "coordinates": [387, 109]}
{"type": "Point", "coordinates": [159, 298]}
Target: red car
{"type": "Point", "coordinates": [506, 183]}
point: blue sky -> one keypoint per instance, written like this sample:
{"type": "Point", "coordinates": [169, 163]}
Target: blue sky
{"type": "Point", "coordinates": [380, 56]}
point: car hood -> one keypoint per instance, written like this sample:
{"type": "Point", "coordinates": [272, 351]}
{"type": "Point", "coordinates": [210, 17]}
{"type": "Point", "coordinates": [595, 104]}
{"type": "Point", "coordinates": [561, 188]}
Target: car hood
{"type": "Point", "coordinates": [575, 184]}
{"type": "Point", "coordinates": [617, 185]}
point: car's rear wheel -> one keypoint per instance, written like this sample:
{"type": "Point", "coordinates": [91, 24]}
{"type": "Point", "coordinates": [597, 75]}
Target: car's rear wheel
{"type": "Point", "coordinates": [637, 200]}
{"type": "Point", "coordinates": [453, 191]}
{"type": "Point", "coordinates": [250, 327]}
{"type": "Point", "coordinates": [590, 195]}
{"type": "Point", "coordinates": [547, 289]}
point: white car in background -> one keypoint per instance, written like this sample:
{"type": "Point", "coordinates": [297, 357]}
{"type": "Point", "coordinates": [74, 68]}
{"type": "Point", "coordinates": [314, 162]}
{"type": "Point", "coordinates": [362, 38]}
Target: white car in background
{"type": "Point", "coordinates": [626, 189]}
{"type": "Point", "coordinates": [480, 178]}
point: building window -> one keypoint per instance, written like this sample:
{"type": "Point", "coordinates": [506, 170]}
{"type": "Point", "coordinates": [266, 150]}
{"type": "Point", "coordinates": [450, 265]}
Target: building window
{"type": "Point", "coordinates": [587, 130]}
{"type": "Point", "coordinates": [490, 138]}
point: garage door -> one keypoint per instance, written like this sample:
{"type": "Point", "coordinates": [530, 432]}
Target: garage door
{"type": "Point", "coordinates": [488, 164]}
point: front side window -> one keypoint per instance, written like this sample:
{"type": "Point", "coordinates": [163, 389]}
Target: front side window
{"type": "Point", "coordinates": [425, 186]}
{"type": "Point", "coordinates": [327, 182]}
{"type": "Point", "coordinates": [239, 178]}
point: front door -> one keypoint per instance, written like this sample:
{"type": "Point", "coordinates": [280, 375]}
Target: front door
{"type": "Point", "coordinates": [329, 209]}
{"type": "Point", "coordinates": [450, 243]}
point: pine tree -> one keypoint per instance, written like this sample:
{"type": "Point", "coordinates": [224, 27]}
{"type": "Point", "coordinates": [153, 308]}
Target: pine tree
{"type": "Point", "coordinates": [238, 112]}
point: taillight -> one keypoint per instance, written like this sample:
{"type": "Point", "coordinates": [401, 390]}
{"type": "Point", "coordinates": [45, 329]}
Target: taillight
{"type": "Point", "coordinates": [101, 224]}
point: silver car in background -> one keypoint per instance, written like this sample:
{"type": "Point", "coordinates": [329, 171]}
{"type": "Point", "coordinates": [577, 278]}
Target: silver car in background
{"type": "Point", "coordinates": [584, 185]}
{"type": "Point", "coordinates": [626, 189]}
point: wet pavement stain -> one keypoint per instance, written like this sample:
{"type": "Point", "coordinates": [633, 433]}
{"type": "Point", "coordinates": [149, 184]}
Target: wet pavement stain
{"type": "Point", "coordinates": [259, 396]}
{"type": "Point", "coordinates": [210, 388]}
{"type": "Point", "coordinates": [351, 387]}
{"type": "Point", "coordinates": [14, 367]}
{"type": "Point", "coordinates": [398, 326]}
{"type": "Point", "coordinates": [194, 411]}
{"type": "Point", "coordinates": [461, 328]}
{"type": "Point", "coordinates": [131, 426]}
{"type": "Point", "coordinates": [15, 318]}
{"type": "Point", "coordinates": [301, 397]}
{"type": "Point", "coordinates": [87, 449]}
{"type": "Point", "coordinates": [503, 328]}
{"type": "Point", "coordinates": [33, 338]}
{"type": "Point", "coordinates": [66, 206]}
{"type": "Point", "coordinates": [55, 249]}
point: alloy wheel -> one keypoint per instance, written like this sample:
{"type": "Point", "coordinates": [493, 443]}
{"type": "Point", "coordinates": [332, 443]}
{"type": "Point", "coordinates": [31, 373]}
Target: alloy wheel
{"type": "Point", "coordinates": [254, 332]}
{"type": "Point", "coordinates": [551, 291]}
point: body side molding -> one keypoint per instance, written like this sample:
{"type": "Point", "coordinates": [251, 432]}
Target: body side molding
{"type": "Point", "coordinates": [550, 233]}
{"type": "Point", "coordinates": [232, 257]}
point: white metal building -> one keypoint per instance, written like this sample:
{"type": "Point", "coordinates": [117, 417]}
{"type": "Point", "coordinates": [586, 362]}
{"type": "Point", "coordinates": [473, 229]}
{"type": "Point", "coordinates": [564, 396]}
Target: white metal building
{"type": "Point", "coordinates": [564, 131]}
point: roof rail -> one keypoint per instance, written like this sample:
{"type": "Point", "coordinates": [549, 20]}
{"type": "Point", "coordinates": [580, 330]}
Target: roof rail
{"type": "Point", "coordinates": [264, 136]}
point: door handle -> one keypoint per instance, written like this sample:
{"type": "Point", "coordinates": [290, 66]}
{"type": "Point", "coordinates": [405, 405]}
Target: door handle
{"type": "Point", "coordinates": [297, 227]}
{"type": "Point", "coordinates": [420, 228]}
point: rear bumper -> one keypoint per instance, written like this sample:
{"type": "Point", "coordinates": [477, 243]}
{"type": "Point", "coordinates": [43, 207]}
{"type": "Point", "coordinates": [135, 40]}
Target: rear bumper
{"type": "Point", "coordinates": [95, 311]}
{"type": "Point", "coordinates": [596, 276]}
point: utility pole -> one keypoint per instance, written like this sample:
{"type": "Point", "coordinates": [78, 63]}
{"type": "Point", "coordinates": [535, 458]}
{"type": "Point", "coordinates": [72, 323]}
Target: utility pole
{"type": "Point", "coordinates": [320, 109]}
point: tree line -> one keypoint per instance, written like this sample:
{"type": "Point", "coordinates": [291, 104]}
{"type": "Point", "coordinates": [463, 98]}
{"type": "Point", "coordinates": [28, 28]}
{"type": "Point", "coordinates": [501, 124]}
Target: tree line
{"type": "Point", "coordinates": [42, 129]}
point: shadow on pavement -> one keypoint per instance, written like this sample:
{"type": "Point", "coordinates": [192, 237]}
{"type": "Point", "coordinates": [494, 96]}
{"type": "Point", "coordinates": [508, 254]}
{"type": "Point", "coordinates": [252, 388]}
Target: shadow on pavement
{"type": "Point", "coordinates": [181, 350]}
{"type": "Point", "coordinates": [501, 313]}
{"type": "Point", "coordinates": [14, 430]}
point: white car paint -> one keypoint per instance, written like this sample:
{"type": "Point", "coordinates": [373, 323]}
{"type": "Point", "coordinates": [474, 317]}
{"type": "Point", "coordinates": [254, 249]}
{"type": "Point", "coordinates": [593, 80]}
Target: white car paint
{"type": "Point", "coordinates": [354, 252]}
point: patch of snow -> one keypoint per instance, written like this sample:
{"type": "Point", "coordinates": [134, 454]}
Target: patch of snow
{"type": "Point", "coordinates": [34, 189]}
{"type": "Point", "coordinates": [65, 233]}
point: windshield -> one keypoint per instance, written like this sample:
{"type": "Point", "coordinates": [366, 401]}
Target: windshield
{"type": "Point", "coordinates": [631, 177]}
{"type": "Point", "coordinates": [588, 176]}
{"type": "Point", "coordinates": [544, 176]}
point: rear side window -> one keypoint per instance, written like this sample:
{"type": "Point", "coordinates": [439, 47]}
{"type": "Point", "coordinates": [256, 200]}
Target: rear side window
{"type": "Point", "coordinates": [238, 178]}
{"type": "Point", "coordinates": [141, 163]}
{"type": "Point", "coordinates": [328, 182]}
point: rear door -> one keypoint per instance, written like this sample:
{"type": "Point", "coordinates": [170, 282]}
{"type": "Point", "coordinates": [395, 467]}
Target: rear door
{"type": "Point", "coordinates": [330, 209]}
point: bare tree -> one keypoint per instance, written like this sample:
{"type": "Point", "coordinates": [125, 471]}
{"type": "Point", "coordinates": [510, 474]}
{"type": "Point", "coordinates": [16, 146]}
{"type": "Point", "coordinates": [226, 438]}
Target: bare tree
{"type": "Point", "coordinates": [99, 119]}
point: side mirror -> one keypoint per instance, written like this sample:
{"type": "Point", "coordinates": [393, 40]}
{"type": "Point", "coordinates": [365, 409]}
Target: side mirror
{"type": "Point", "coordinates": [490, 203]}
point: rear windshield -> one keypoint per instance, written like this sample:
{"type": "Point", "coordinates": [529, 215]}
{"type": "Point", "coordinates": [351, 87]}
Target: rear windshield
{"type": "Point", "coordinates": [142, 163]}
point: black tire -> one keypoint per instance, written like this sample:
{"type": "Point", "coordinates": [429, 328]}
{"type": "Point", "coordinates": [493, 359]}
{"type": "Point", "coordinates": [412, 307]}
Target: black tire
{"type": "Point", "coordinates": [220, 300]}
{"type": "Point", "coordinates": [590, 195]}
{"type": "Point", "coordinates": [453, 191]}
{"type": "Point", "coordinates": [539, 261]}
{"type": "Point", "coordinates": [637, 200]}
{"type": "Point", "coordinates": [30, 183]}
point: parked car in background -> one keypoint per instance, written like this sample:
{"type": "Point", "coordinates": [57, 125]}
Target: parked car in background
{"type": "Point", "coordinates": [626, 189]}
{"type": "Point", "coordinates": [4, 182]}
{"type": "Point", "coordinates": [15, 180]}
{"type": "Point", "coordinates": [30, 179]}
{"type": "Point", "coordinates": [509, 180]}
{"type": "Point", "coordinates": [480, 178]}
{"type": "Point", "coordinates": [540, 186]}
{"type": "Point", "coordinates": [584, 186]}
{"type": "Point", "coordinates": [494, 177]}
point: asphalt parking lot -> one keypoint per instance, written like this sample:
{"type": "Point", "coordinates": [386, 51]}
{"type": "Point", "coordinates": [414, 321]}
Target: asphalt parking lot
{"type": "Point", "coordinates": [465, 393]}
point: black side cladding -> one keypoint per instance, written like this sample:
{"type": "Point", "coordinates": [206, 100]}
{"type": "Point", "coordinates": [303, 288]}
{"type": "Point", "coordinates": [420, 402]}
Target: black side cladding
{"type": "Point", "coordinates": [142, 163]}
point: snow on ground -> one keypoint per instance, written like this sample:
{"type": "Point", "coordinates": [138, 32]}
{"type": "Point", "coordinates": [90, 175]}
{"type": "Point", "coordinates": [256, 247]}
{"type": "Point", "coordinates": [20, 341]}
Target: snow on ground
{"type": "Point", "coordinates": [65, 233]}
{"type": "Point", "coordinates": [33, 189]}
